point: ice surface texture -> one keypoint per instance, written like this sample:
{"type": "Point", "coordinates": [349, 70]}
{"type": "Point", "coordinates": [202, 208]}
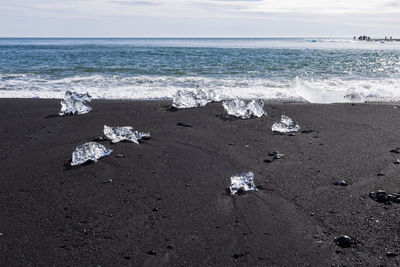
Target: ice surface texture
{"type": "Point", "coordinates": [285, 126]}
{"type": "Point", "coordinates": [192, 99]}
{"type": "Point", "coordinates": [89, 151]}
{"type": "Point", "coordinates": [74, 103]}
{"type": "Point", "coordinates": [117, 134]}
{"type": "Point", "coordinates": [242, 182]}
{"type": "Point", "coordinates": [244, 109]}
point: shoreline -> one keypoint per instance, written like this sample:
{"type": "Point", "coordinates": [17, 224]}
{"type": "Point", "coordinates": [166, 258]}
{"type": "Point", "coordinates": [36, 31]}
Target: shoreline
{"type": "Point", "coordinates": [166, 204]}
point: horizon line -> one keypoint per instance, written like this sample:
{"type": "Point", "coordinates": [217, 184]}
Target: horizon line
{"type": "Point", "coordinates": [169, 37]}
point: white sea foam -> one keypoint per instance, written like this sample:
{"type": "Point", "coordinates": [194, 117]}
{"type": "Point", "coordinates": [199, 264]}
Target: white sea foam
{"type": "Point", "coordinates": [163, 87]}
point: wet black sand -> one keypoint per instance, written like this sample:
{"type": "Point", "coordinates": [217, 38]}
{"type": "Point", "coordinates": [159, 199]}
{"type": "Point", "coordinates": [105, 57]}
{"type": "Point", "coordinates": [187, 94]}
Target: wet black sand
{"type": "Point", "coordinates": [166, 204]}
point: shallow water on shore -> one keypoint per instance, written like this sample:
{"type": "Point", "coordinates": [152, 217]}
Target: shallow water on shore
{"type": "Point", "coordinates": [300, 69]}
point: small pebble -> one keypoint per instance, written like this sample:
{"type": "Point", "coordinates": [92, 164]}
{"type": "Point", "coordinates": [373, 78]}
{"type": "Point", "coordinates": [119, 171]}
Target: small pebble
{"type": "Point", "coordinates": [152, 252]}
{"type": "Point", "coordinates": [391, 254]}
{"type": "Point", "coordinates": [119, 156]}
{"type": "Point", "coordinates": [340, 183]}
{"type": "Point", "coordinates": [307, 131]}
{"type": "Point", "coordinates": [183, 124]}
{"type": "Point", "coordinates": [380, 173]}
{"type": "Point", "coordinates": [291, 134]}
{"type": "Point", "coordinates": [156, 209]}
{"type": "Point", "coordinates": [395, 150]}
{"type": "Point", "coordinates": [170, 247]}
{"type": "Point", "coordinates": [267, 161]}
{"type": "Point", "coordinates": [273, 153]}
{"type": "Point", "coordinates": [98, 139]}
{"type": "Point", "coordinates": [396, 161]}
{"type": "Point", "coordinates": [344, 241]}
{"type": "Point", "coordinates": [107, 181]}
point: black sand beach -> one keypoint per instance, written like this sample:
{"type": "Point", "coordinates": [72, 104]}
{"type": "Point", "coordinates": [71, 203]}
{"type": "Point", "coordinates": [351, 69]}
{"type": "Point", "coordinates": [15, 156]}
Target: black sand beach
{"type": "Point", "coordinates": [167, 205]}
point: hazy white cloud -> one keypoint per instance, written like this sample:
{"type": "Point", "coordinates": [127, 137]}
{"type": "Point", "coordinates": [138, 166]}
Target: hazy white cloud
{"type": "Point", "coordinates": [201, 8]}
{"type": "Point", "coordinates": [172, 17]}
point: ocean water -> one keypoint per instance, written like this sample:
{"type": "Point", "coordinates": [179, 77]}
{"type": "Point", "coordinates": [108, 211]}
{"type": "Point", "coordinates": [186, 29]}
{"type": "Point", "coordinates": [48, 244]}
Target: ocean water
{"type": "Point", "coordinates": [277, 69]}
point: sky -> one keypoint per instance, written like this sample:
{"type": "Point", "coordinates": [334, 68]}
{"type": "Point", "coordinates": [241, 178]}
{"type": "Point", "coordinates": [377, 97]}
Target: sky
{"type": "Point", "coordinates": [199, 18]}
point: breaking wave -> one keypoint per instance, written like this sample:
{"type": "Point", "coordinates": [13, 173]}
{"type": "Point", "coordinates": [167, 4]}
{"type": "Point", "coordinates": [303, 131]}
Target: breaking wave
{"type": "Point", "coordinates": [164, 87]}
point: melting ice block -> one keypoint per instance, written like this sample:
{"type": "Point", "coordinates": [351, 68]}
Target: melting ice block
{"type": "Point", "coordinates": [117, 134]}
{"type": "Point", "coordinates": [89, 151]}
{"type": "Point", "coordinates": [285, 126]}
{"type": "Point", "coordinates": [243, 182]}
{"type": "Point", "coordinates": [74, 103]}
{"type": "Point", "coordinates": [192, 99]}
{"type": "Point", "coordinates": [244, 109]}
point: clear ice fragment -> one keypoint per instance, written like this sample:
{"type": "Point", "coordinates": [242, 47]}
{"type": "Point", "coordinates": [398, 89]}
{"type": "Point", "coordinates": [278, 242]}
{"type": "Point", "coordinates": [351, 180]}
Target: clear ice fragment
{"type": "Point", "coordinates": [192, 99]}
{"type": "Point", "coordinates": [242, 182]}
{"type": "Point", "coordinates": [285, 126]}
{"type": "Point", "coordinates": [74, 103]}
{"type": "Point", "coordinates": [118, 134]}
{"type": "Point", "coordinates": [244, 109]}
{"type": "Point", "coordinates": [89, 151]}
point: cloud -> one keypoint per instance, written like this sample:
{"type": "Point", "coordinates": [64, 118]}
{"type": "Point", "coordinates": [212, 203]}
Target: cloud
{"type": "Point", "coordinates": [197, 8]}
{"type": "Point", "coordinates": [199, 17]}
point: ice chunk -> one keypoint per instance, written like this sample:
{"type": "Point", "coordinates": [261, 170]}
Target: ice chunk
{"type": "Point", "coordinates": [89, 151]}
{"type": "Point", "coordinates": [117, 134]}
{"type": "Point", "coordinates": [74, 103]}
{"type": "Point", "coordinates": [192, 99]}
{"type": "Point", "coordinates": [285, 126]}
{"type": "Point", "coordinates": [242, 182]}
{"type": "Point", "coordinates": [244, 109]}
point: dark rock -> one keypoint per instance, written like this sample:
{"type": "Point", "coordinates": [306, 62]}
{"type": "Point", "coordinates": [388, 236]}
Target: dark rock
{"type": "Point", "coordinates": [273, 153]}
{"type": "Point", "coordinates": [396, 162]}
{"type": "Point", "coordinates": [170, 247]}
{"type": "Point", "coordinates": [119, 156]}
{"type": "Point", "coordinates": [99, 139]}
{"type": "Point", "coordinates": [182, 124]}
{"type": "Point", "coordinates": [394, 198]}
{"type": "Point", "coordinates": [156, 209]}
{"type": "Point", "coordinates": [307, 131]}
{"type": "Point", "coordinates": [344, 241]}
{"type": "Point", "coordinates": [340, 183]}
{"type": "Point", "coordinates": [152, 252]}
{"type": "Point", "coordinates": [231, 144]}
{"type": "Point", "coordinates": [279, 156]}
{"type": "Point", "coordinates": [391, 254]}
{"type": "Point", "coordinates": [107, 181]}
{"type": "Point", "coordinates": [267, 161]}
{"type": "Point", "coordinates": [382, 197]}
{"type": "Point", "coordinates": [238, 255]}
{"type": "Point", "coordinates": [396, 150]}
{"type": "Point", "coordinates": [380, 173]}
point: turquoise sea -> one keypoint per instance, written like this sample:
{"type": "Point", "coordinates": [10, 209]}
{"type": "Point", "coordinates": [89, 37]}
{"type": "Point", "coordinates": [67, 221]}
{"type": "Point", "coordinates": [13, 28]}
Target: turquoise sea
{"type": "Point", "coordinates": [319, 70]}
